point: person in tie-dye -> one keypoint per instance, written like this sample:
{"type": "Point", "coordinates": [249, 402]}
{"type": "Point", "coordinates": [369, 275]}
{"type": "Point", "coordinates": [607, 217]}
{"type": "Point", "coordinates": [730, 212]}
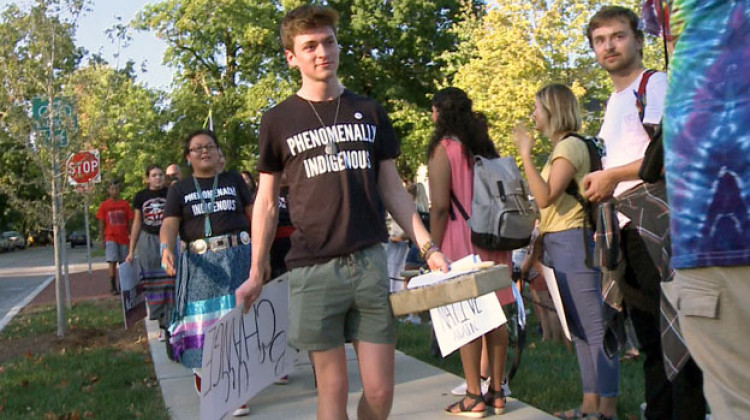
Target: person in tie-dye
{"type": "Point", "coordinates": [707, 162]}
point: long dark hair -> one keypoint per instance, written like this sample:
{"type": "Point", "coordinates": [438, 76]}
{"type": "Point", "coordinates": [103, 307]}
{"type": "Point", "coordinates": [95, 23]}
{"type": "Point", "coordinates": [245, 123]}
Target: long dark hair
{"type": "Point", "coordinates": [456, 118]}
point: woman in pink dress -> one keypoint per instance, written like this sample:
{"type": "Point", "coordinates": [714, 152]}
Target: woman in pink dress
{"type": "Point", "coordinates": [459, 135]}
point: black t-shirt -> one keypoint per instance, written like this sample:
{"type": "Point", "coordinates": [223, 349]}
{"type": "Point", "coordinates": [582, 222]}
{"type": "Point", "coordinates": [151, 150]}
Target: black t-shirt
{"type": "Point", "coordinates": [151, 205]}
{"type": "Point", "coordinates": [333, 197]}
{"type": "Point", "coordinates": [227, 215]}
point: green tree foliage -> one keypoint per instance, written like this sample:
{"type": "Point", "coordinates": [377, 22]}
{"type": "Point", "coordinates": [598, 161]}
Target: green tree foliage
{"type": "Point", "coordinates": [38, 52]}
{"type": "Point", "coordinates": [515, 49]}
{"type": "Point", "coordinates": [229, 60]}
{"type": "Point", "coordinates": [121, 119]}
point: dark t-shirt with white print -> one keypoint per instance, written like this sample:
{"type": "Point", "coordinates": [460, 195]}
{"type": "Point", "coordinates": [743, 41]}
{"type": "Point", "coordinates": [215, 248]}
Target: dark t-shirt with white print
{"type": "Point", "coordinates": [151, 205]}
{"type": "Point", "coordinates": [333, 197]}
{"type": "Point", "coordinates": [227, 215]}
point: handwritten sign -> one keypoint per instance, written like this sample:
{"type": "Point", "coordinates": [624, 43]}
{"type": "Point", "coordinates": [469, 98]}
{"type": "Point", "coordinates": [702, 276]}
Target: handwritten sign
{"type": "Point", "coordinates": [132, 297]}
{"type": "Point", "coordinates": [242, 354]}
{"type": "Point", "coordinates": [459, 323]}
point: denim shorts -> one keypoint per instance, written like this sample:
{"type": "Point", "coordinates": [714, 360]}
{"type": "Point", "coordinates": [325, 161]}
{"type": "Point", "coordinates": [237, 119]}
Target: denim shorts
{"type": "Point", "coordinates": [340, 300]}
{"type": "Point", "coordinates": [114, 252]}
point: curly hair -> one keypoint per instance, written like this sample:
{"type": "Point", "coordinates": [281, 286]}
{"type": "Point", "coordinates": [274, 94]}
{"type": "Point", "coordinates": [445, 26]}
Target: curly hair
{"type": "Point", "coordinates": [455, 118]}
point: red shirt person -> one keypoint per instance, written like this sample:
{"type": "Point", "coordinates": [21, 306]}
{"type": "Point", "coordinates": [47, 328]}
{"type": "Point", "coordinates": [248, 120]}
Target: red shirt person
{"type": "Point", "coordinates": [114, 216]}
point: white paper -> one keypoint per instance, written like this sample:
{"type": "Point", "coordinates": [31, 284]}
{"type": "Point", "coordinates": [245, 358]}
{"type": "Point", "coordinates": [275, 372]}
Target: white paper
{"type": "Point", "coordinates": [242, 354]}
{"type": "Point", "coordinates": [554, 291]}
{"type": "Point", "coordinates": [463, 266]}
{"type": "Point", "coordinates": [459, 323]}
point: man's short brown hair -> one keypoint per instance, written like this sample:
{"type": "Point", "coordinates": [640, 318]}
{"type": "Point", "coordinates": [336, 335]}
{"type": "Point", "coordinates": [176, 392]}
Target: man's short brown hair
{"type": "Point", "coordinates": [608, 13]}
{"type": "Point", "coordinates": [304, 19]}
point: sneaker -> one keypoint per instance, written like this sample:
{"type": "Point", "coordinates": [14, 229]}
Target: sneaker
{"type": "Point", "coordinates": [283, 380]}
{"type": "Point", "coordinates": [242, 411]}
{"type": "Point", "coordinates": [461, 389]}
{"type": "Point", "coordinates": [505, 387]}
{"type": "Point", "coordinates": [197, 383]}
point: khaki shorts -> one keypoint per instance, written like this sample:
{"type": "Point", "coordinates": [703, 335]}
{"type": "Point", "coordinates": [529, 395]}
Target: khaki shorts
{"type": "Point", "coordinates": [340, 300]}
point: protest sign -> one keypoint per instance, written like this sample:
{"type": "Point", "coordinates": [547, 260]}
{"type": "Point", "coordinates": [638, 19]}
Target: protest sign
{"type": "Point", "coordinates": [244, 353]}
{"type": "Point", "coordinates": [459, 323]}
{"type": "Point", "coordinates": [131, 294]}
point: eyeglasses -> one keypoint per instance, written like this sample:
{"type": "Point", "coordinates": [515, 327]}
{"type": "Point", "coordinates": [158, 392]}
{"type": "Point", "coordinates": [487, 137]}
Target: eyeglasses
{"type": "Point", "coordinates": [201, 149]}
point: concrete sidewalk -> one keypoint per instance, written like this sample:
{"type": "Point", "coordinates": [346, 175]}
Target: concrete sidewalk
{"type": "Point", "coordinates": [422, 391]}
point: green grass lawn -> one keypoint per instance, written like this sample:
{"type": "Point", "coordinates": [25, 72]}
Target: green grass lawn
{"type": "Point", "coordinates": [548, 377]}
{"type": "Point", "coordinates": [97, 370]}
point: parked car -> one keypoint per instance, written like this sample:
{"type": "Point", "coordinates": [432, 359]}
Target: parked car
{"type": "Point", "coordinates": [42, 237]}
{"type": "Point", "coordinates": [77, 237]}
{"type": "Point", "coordinates": [17, 241]}
{"type": "Point", "coordinates": [4, 244]}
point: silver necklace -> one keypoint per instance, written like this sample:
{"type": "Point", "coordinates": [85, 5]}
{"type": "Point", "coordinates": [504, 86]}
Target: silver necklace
{"type": "Point", "coordinates": [331, 148]}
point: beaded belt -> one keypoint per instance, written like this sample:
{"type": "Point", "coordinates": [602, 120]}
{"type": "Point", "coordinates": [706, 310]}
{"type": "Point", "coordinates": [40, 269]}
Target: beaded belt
{"type": "Point", "coordinates": [218, 243]}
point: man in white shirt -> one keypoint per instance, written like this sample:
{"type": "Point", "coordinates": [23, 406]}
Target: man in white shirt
{"type": "Point", "coordinates": [618, 45]}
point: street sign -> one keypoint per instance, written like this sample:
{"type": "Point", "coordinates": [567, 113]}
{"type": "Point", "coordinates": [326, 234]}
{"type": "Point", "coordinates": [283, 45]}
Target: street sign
{"type": "Point", "coordinates": [64, 118]}
{"type": "Point", "coordinates": [83, 167]}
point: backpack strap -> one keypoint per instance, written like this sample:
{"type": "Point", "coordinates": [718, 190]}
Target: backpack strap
{"type": "Point", "coordinates": [460, 208]}
{"type": "Point", "coordinates": [588, 208]}
{"type": "Point", "coordinates": [640, 95]}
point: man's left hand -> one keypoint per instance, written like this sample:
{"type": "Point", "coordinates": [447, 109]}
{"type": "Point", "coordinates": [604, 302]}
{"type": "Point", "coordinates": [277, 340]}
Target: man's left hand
{"type": "Point", "coordinates": [437, 261]}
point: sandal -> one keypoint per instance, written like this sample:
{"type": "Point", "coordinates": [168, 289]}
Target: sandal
{"type": "Point", "coordinates": [491, 396]}
{"type": "Point", "coordinates": [574, 413]}
{"type": "Point", "coordinates": [467, 410]}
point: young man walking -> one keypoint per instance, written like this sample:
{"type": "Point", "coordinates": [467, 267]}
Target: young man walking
{"type": "Point", "coordinates": [642, 209]}
{"type": "Point", "coordinates": [336, 149]}
{"type": "Point", "coordinates": [114, 217]}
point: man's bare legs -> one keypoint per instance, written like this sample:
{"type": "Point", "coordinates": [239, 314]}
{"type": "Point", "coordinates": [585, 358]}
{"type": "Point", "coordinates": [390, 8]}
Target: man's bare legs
{"type": "Point", "coordinates": [333, 387]}
{"type": "Point", "coordinates": [376, 367]}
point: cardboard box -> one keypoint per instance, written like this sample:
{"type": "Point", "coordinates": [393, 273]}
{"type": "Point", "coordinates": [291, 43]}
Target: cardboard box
{"type": "Point", "coordinates": [450, 291]}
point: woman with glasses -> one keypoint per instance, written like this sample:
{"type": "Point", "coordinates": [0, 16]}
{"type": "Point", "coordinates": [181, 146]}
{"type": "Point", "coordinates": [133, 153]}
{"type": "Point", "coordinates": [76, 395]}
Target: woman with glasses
{"type": "Point", "coordinates": [148, 211]}
{"type": "Point", "coordinates": [211, 210]}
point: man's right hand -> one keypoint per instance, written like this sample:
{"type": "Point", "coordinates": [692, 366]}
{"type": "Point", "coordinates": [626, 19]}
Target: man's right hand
{"type": "Point", "coordinates": [249, 291]}
{"type": "Point", "coordinates": [598, 186]}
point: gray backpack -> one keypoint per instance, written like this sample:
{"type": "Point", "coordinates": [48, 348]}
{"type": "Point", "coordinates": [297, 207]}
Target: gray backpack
{"type": "Point", "coordinates": [502, 217]}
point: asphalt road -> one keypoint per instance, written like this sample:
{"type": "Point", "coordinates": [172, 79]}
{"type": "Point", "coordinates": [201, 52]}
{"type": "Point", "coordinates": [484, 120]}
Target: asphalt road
{"type": "Point", "coordinates": [25, 273]}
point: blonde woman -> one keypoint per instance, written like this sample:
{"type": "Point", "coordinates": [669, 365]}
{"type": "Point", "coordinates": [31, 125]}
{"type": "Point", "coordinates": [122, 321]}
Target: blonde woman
{"type": "Point", "coordinates": [556, 116]}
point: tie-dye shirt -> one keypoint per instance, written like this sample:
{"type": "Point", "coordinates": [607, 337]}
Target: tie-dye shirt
{"type": "Point", "coordinates": [707, 134]}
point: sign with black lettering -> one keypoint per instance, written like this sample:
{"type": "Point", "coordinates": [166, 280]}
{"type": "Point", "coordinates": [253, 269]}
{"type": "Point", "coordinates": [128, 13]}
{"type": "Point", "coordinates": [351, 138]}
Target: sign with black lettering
{"type": "Point", "coordinates": [242, 354]}
{"type": "Point", "coordinates": [459, 323]}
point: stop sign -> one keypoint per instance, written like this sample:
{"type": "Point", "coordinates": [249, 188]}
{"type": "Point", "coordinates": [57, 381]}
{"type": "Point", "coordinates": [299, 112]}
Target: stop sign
{"type": "Point", "coordinates": [83, 167]}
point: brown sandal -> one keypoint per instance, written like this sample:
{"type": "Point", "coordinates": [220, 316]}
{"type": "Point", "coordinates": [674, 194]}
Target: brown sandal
{"type": "Point", "coordinates": [467, 410]}
{"type": "Point", "coordinates": [491, 396]}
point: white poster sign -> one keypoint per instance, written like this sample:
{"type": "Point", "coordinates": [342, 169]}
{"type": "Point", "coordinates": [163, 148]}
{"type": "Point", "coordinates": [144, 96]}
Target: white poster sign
{"type": "Point", "coordinates": [554, 292]}
{"type": "Point", "coordinates": [131, 293]}
{"type": "Point", "coordinates": [459, 323]}
{"type": "Point", "coordinates": [242, 354]}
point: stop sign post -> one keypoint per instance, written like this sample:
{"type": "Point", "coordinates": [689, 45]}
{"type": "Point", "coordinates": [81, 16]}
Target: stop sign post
{"type": "Point", "coordinates": [83, 167]}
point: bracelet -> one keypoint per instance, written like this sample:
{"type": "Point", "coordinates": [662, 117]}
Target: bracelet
{"type": "Point", "coordinates": [426, 247]}
{"type": "Point", "coordinates": [431, 250]}
{"type": "Point", "coordinates": [162, 247]}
